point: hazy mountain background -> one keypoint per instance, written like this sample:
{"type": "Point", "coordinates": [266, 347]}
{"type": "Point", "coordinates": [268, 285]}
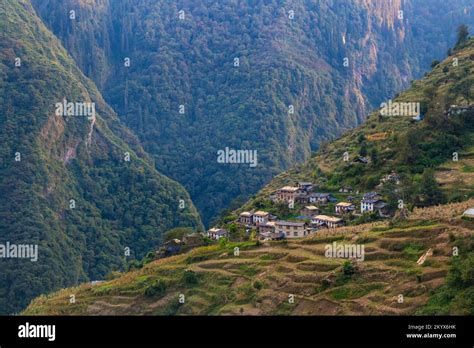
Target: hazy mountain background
{"type": "Point", "coordinates": [283, 62]}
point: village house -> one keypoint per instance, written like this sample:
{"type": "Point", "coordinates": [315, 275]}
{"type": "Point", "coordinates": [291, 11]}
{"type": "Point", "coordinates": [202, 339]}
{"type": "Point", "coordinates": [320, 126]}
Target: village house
{"type": "Point", "coordinates": [455, 110]}
{"type": "Point", "coordinates": [272, 217]}
{"type": "Point", "coordinates": [309, 210]}
{"type": "Point", "coordinates": [344, 208]}
{"type": "Point", "coordinates": [217, 233]}
{"type": "Point", "coordinates": [469, 213]}
{"type": "Point", "coordinates": [371, 202]}
{"type": "Point", "coordinates": [305, 186]}
{"type": "Point", "coordinates": [361, 159]}
{"type": "Point", "coordinates": [260, 217]}
{"type": "Point", "coordinates": [291, 229]}
{"type": "Point", "coordinates": [326, 221]}
{"type": "Point", "coordinates": [95, 282]}
{"type": "Point", "coordinates": [192, 240]}
{"type": "Point", "coordinates": [301, 198]}
{"type": "Point", "coordinates": [351, 199]}
{"type": "Point", "coordinates": [267, 227]}
{"type": "Point", "coordinates": [320, 198]}
{"type": "Point", "coordinates": [345, 189]}
{"type": "Point", "coordinates": [271, 236]}
{"type": "Point", "coordinates": [371, 205]}
{"type": "Point", "coordinates": [246, 218]}
{"type": "Point", "coordinates": [372, 195]}
{"type": "Point", "coordinates": [287, 194]}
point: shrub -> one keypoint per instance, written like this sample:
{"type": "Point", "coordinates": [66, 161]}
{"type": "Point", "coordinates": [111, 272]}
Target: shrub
{"type": "Point", "coordinates": [190, 278]}
{"type": "Point", "coordinates": [223, 242]}
{"type": "Point", "coordinates": [348, 268]}
{"type": "Point", "coordinates": [434, 63]}
{"type": "Point", "coordinates": [156, 288]}
{"type": "Point", "coordinates": [371, 181]}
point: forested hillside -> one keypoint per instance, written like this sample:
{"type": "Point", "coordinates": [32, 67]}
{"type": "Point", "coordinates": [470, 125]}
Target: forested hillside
{"type": "Point", "coordinates": [66, 183]}
{"type": "Point", "coordinates": [274, 76]}
{"type": "Point", "coordinates": [433, 157]}
{"type": "Point", "coordinates": [415, 263]}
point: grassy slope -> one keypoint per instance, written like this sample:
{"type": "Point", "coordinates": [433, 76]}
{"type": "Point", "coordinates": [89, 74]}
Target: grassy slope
{"type": "Point", "coordinates": [259, 280]}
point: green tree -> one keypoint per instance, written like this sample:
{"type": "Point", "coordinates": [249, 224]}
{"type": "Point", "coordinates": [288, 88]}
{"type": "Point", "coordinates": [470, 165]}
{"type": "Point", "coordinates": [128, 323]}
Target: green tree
{"type": "Point", "coordinates": [408, 148]}
{"type": "Point", "coordinates": [430, 190]}
{"type": "Point", "coordinates": [363, 150]}
{"type": "Point", "coordinates": [392, 195]}
{"type": "Point", "coordinates": [462, 34]}
{"type": "Point", "coordinates": [348, 268]}
{"type": "Point", "coordinates": [434, 63]}
{"type": "Point", "coordinates": [374, 156]}
{"type": "Point", "coordinates": [223, 242]}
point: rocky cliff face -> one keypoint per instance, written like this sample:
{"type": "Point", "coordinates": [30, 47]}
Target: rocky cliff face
{"type": "Point", "coordinates": [333, 61]}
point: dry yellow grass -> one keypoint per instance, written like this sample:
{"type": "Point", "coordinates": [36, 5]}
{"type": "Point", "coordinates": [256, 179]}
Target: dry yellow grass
{"type": "Point", "coordinates": [441, 212]}
{"type": "Point", "coordinates": [377, 136]}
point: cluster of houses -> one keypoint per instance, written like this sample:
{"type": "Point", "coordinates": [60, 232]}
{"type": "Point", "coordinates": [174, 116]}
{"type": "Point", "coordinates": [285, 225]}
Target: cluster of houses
{"type": "Point", "coordinates": [453, 110]}
{"type": "Point", "coordinates": [302, 194]}
{"type": "Point", "coordinates": [310, 219]}
{"type": "Point", "coordinates": [308, 222]}
{"type": "Point", "coordinates": [456, 110]}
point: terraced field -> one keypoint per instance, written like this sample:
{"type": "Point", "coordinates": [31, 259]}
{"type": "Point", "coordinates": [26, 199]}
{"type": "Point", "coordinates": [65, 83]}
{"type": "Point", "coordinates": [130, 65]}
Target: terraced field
{"type": "Point", "coordinates": [286, 277]}
{"type": "Point", "coordinates": [457, 176]}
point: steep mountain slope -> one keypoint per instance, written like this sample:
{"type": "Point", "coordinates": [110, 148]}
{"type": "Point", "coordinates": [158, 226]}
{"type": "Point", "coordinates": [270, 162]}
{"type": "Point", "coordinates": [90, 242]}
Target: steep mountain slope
{"type": "Point", "coordinates": [295, 277]}
{"type": "Point", "coordinates": [65, 182]}
{"type": "Point", "coordinates": [400, 144]}
{"type": "Point", "coordinates": [417, 264]}
{"type": "Point", "coordinates": [183, 58]}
